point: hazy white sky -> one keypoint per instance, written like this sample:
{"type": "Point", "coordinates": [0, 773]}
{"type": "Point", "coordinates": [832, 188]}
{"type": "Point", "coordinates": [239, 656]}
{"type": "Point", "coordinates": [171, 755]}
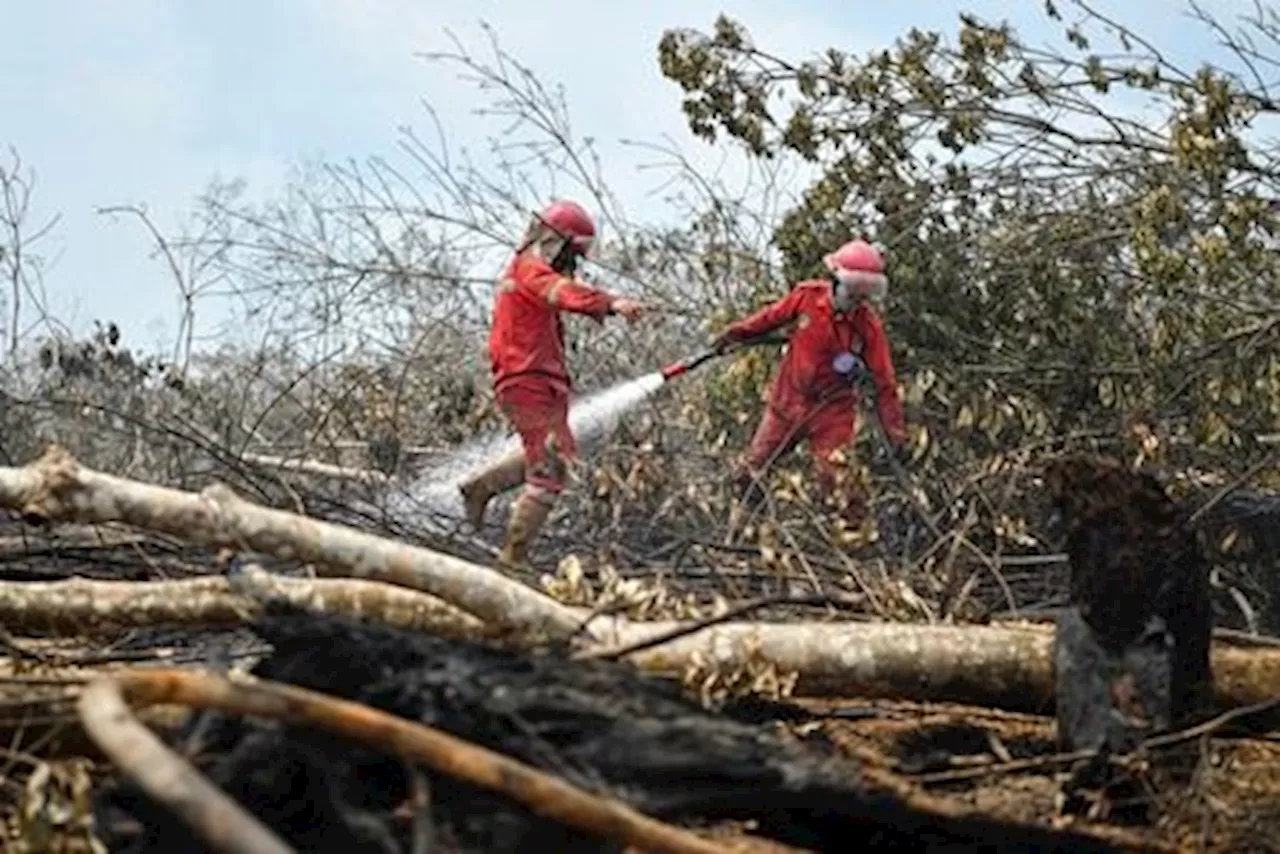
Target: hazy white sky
{"type": "Point", "coordinates": [144, 101]}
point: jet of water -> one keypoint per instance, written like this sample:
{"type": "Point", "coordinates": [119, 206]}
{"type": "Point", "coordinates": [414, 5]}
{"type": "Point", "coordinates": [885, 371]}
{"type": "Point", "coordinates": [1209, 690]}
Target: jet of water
{"type": "Point", "coordinates": [436, 490]}
{"type": "Point", "coordinates": [599, 412]}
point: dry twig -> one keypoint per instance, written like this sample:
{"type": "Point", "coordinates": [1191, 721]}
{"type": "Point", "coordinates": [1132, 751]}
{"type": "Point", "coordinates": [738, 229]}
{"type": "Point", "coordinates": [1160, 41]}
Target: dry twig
{"type": "Point", "coordinates": [370, 477]}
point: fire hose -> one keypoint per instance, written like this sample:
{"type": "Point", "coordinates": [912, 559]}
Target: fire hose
{"type": "Point", "coordinates": [685, 365]}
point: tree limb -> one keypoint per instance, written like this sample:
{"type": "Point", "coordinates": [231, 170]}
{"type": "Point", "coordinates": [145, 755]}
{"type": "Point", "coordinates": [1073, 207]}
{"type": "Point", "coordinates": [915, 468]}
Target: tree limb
{"type": "Point", "coordinates": [80, 606]}
{"type": "Point", "coordinates": [166, 777]}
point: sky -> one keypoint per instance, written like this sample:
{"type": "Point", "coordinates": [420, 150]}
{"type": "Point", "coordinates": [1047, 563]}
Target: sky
{"type": "Point", "coordinates": [117, 102]}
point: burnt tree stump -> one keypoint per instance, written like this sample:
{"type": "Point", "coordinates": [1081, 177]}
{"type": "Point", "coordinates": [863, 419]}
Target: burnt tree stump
{"type": "Point", "coordinates": [1131, 651]}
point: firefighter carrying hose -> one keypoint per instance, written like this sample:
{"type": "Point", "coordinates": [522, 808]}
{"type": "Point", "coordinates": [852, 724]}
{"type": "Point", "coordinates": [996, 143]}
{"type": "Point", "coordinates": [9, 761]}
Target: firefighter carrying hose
{"type": "Point", "coordinates": [814, 395]}
{"type": "Point", "coordinates": [530, 380]}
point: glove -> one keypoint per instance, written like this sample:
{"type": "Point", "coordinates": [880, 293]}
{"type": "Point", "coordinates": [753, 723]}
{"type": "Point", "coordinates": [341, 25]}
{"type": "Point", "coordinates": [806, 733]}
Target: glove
{"type": "Point", "coordinates": [628, 308]}
{"type": "Point", "coordinates": [723, 341]}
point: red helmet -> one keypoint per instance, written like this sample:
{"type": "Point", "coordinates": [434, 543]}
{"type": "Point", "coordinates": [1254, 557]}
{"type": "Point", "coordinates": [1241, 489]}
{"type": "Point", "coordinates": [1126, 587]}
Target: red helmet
{"type": "Point", "coordinates": [855, 256]}
{"type": "Point", "coordinates": [571, 221]}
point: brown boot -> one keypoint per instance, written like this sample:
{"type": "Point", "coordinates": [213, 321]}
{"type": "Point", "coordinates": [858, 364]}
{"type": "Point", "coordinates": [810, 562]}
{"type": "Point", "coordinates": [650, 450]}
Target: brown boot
{"type": "Point", "coordinates": [527, 515]}
{"type": "Point", "coordinates": [477, 491]}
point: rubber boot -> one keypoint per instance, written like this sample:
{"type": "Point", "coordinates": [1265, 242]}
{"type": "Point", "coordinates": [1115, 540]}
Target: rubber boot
{"type": "Point", "coordinates": [479, 490]}
{"type": "Point", "coordinates": [528, 513]}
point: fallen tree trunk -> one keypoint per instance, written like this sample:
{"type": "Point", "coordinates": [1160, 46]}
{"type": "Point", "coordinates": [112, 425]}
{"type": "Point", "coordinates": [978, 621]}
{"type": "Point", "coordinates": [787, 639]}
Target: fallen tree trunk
{"type": "Point", "coordinates": [1002, 666]}
{"type": "Point", "coordinates": [80, 606]}
{"type": "Point", "coordinates": [57, 488]}
{"type": "Point", "coordinates": [1009, 667]}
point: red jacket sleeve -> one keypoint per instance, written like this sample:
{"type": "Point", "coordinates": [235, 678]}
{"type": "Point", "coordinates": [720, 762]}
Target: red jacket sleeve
{"type": "Point", "coordinates": [880, 363]}
{"type": "Point", "coordinates": [563, 292]}
{"type": "Point", "coordinates": [769, 318]}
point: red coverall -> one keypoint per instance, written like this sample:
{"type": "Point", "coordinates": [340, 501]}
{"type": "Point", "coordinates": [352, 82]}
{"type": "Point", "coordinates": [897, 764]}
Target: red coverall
{"type": "Point", "coordinates": [808, 399]}
{"type": "Point", "coordinates": [526, 353]}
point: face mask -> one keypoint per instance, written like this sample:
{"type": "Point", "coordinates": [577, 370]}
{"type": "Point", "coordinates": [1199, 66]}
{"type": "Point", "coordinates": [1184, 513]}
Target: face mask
{"type": "Point", "coordinates": [842, 295]}
{"type": "Point", "coordinates": [851, 287]}
{"type": "Point", "coordinates": [566, 260]}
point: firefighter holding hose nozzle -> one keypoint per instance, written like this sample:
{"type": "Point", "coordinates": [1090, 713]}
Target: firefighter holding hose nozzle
{"type": "Point", "coordinates": [531, 382]}
{"type": "Point", "coordinates": [837, 335]}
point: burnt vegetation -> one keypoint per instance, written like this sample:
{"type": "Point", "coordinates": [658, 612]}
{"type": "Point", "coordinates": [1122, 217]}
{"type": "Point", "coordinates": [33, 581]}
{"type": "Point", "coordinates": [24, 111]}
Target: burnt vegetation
{"type": "Point", "coordinates": [1083, 315]}
{"type": "Point", "coordinates": [597, 724]}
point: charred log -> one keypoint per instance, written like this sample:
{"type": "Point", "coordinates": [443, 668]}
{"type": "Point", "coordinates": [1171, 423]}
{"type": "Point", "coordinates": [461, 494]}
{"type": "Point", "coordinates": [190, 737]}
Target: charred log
{"type": "Point", "coordinates": [600, 725]}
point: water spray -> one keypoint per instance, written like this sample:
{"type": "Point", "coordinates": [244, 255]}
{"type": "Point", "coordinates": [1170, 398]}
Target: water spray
{"type": "Point", "coordinates": [589, 417]}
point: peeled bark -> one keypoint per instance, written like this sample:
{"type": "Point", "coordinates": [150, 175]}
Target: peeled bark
{"type": "Point", "coordinates": [57, 488]}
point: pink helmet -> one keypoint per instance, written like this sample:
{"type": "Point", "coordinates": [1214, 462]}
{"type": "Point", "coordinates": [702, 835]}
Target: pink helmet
{"type": "Point", "coordinates": [859, 268]}
{"type": "Point", "coordinates": [856, 255]}
{"type": "Point", "coordinates": [571, 221]}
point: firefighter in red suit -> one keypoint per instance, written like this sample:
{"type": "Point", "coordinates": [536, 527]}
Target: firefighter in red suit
{"type": "Point", "coordinates": [814, 396]}
{"type": "Point", "coordinates": [531, 383]}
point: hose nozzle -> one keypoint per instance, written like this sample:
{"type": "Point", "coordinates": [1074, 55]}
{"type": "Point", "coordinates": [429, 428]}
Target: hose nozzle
{"type": "Point", "coordinates": [685, 365]}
